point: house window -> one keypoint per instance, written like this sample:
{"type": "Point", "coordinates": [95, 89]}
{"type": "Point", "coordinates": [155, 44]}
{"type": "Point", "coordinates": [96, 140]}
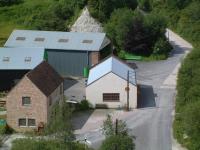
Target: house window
{"type": "Point", "coordinates": [22, 122]}
{"type": "Point", "coordinates": [27, 122]}
{"type": "Point", "coordinates": [111, 97]}
{"type": "Point", "coordinates": [31, 123]}
{"type": "Point", "coordinates": [26, 101]}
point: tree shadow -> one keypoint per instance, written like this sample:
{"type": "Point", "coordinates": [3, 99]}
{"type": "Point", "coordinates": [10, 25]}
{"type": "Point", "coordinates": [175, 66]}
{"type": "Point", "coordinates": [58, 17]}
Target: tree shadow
{"type": "Point", "coordinates": [68, 82]}
{"type": "Point", "coordinates": [80, 118]}
{"type": "Point", "coordinates": [177, 49]}
{"type": "Point", "coordinates": [146, 97]}
{"type": "Point", "coordinates": [9, 78]}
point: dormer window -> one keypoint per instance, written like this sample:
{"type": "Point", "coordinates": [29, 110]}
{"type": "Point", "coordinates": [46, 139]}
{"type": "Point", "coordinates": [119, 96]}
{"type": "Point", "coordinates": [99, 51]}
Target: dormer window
{"type": "Point", "coordinates": [87, 41]}
{"type": "Point", "coordinates": [27, 59]}
{"type": "Point", "coordinates": [6, 59]}
{"type": "Point", "coordinates": [20, 38]}
{"type": "Point", "coordinates": [39, 39]}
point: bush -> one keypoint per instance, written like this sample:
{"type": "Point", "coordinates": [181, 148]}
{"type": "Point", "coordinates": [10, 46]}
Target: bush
{"type": "Point", "coordinates": [84, 105]}
{"type": "Point", "coordinates": [2, 129]}
{"type": "Point", "coordinates": [162, 46]}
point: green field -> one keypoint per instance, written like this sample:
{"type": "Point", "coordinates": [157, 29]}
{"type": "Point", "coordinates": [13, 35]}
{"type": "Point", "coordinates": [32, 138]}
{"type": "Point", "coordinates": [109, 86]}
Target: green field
{"type": "Point", "coordinates": [19, 16]}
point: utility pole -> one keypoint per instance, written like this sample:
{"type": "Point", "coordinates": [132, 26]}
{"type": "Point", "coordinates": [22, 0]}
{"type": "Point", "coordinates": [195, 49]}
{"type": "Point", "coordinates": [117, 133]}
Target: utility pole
{"type": "Point", "coordinates": [116, 131]}
{"type": "Point", "coordinates": [128, 89]}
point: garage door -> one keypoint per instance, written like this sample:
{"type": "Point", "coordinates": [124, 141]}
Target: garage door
{"type": "Point", "coordinates": [68, 63]}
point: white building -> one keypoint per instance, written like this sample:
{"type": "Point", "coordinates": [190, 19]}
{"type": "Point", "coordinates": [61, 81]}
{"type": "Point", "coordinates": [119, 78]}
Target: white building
{"type": "Point", "coordinates": [107, 84]}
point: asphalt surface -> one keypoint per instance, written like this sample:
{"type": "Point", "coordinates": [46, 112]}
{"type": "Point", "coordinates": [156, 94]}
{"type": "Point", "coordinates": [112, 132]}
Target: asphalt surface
{"type": "Point", "coordinates": [151, 123]}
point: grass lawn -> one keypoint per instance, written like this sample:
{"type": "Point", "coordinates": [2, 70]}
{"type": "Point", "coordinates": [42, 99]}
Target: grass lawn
{"type": "Point", "coordinates": [19, 16]}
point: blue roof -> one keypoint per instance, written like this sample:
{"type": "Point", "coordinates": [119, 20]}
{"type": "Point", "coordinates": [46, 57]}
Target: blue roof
{"type": "Point", "coordinates": [20, 58]}
{"type": "Point", "coordinates": [114, 65]}
{"type": "Point", "coordinates": [82, 41]}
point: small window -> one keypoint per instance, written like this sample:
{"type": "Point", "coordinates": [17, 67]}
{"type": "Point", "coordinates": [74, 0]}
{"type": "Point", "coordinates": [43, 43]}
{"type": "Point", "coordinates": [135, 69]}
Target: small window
{"type": "Point", "coordinates": [6, 59]}
{"type": "Point", "coordinates": [27, 59]}
{"type": "Point", "coordinates": [111, 97]}
{"type": "Point", "coordinates": [22, 122]}
{"type": "Point", "coordinates": [63, 40]}
{"type": "Point", "coordinates": [20, 38]}
{"type": "Point", "coordinates": [87, 41]}
{"type": "Point", "coordinates": [38, 39]}
{"type": "Point", "coordinates": [31, 123]}
{"type": "Point", "coordinates": [26, 101]}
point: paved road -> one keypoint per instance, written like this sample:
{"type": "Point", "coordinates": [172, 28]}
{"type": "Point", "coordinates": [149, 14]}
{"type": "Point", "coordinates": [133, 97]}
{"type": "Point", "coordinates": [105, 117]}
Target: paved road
{"type": "Point", "coordinates": [152, 123]}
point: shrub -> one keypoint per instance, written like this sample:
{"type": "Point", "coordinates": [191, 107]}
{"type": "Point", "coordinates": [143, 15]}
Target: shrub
{"type": "Point", "coordinates": [30, 144]}
{"type": "Point", "coordinates": [162, 46]}
{"type": "Point", "coordinates": [84, 105]}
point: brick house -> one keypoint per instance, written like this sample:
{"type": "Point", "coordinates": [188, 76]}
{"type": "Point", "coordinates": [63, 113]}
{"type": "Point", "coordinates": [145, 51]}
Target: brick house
{"type": "Point", "coordinates": [29, 103]}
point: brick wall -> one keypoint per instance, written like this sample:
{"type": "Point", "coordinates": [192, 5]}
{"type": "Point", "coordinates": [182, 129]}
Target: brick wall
{"type": "Point", "coordinates": [37, 110]}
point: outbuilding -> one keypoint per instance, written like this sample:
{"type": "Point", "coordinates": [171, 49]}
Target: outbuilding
{"type": "Point", "coordinates": [112, 84]}
{"type": "Point", "coordinates": [68, 52]}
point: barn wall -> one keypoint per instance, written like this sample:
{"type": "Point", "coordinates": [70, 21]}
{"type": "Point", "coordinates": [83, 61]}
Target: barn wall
{"type": "Point", "coordinates": [68, 63]}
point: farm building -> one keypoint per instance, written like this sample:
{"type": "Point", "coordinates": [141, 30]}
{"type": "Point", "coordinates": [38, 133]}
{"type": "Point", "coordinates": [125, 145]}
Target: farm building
{"type": "Point", "coordinates": [30, 102]}
{"type": "Point", "coordinates": [16, 62]}
{"type": "Point", "coordinates": [107, 84]}
{"type": "Point", "coordinates": [68, 52]}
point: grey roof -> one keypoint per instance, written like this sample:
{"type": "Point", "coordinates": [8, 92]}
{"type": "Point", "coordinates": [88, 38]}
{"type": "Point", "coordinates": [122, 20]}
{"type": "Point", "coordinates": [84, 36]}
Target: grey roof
{"type": "Point", "coordinates": [50, 40]}
{"type": "Point", "coordinates": [20, 58]}
{"type": "Point", "coordinates": [114, 65]}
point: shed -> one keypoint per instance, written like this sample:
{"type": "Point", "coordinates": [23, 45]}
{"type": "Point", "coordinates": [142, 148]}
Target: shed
{"type": "Point", "coordinates": [68, 52]}
{"type": "Point", "coordinates": [107, 84]}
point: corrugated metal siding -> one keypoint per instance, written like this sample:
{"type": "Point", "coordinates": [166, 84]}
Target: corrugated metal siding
{"type": "Point", "coordinates": [68, 63]}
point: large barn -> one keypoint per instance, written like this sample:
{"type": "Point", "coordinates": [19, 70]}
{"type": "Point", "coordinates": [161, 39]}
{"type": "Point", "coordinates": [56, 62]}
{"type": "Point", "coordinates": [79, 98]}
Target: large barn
{"type": "Point", "coordinates": [68, 52]}
{"type": "Point", "coordinates": [16, 62]}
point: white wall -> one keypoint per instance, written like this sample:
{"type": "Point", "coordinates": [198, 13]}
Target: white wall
{"type": "Point", "coordinates": [111, 83]}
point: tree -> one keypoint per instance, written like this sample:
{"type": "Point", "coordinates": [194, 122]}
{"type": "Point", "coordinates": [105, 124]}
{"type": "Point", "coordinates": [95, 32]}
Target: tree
{"type": "Point", "coordinates": [116, 136]}
{"type": "Point", "coordinates": [102, 9]}
{"type": "Point", "coordinates": [60, 122]}
{"type": "Point", "coordinates": [144, 5]}
{"type": "Point", "coordinates": [118, 25]}
{"type": "Point", "coordinates": [137, 40]}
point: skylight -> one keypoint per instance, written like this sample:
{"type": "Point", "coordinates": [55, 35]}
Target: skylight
{"type": "Point", "coordinates": [6, 59]}
{"type": "Point", "coordinates": [20, 38]}
{"type": "Point", "coordinates": [39, 39]}
{"type": "Point", "coordinates": [87, 41]}
{"type": "Point", "coordinates": [27, 59]}
{"type": "Point", "coordinates": [63, 40]}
